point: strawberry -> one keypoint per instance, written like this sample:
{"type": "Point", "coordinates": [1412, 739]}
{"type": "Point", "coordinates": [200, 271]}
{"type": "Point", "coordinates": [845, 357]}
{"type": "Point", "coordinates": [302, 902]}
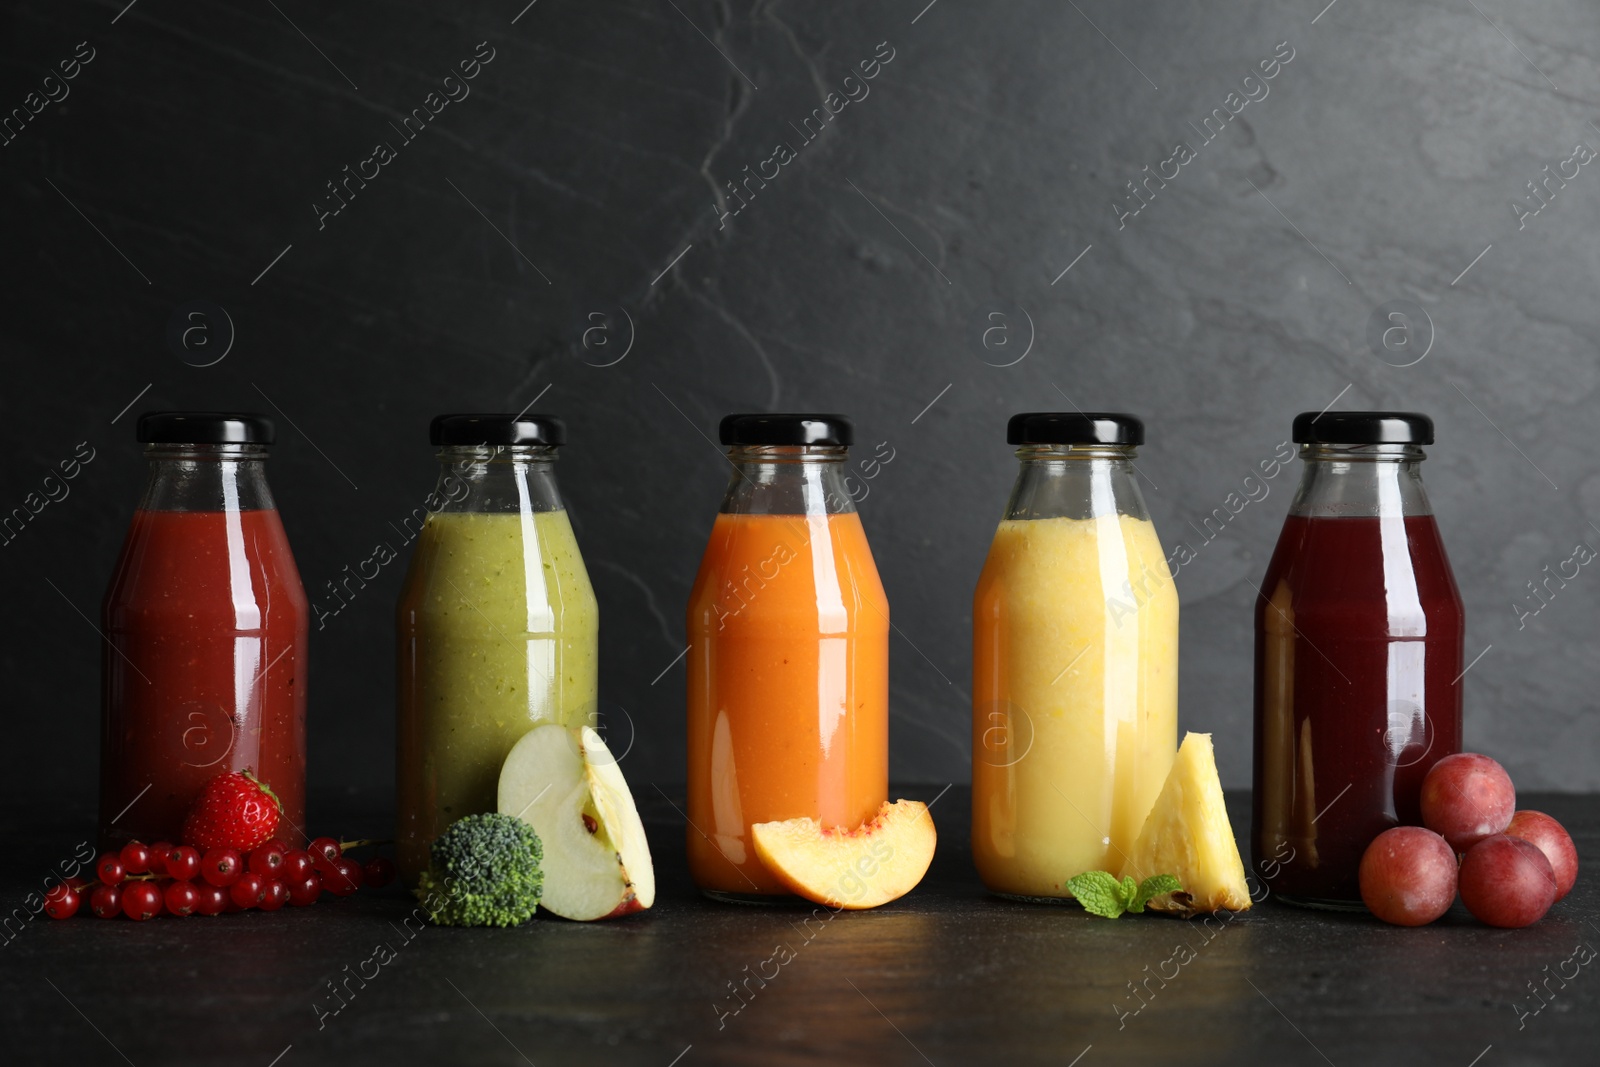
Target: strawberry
{"type": "Point", "coordinates": [234, 810]}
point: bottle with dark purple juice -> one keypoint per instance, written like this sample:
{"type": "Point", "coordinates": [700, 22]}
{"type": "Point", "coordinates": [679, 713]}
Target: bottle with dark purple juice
{"type": "Point", "coordinates": [1358, 656]}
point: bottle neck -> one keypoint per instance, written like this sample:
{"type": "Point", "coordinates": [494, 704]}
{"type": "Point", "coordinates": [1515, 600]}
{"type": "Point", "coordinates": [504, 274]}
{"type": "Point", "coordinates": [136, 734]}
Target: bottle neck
{"type": "Point", "coordinates": [1076, 482]}
{"type": "Point", "coordinates": [1361, 481]}
{"type": "Point", "coordinates": [189, 477]}
{"type": "Point", "coordinates": [788, 480]}
{"type": "Point", "coordinates": [497, 478]}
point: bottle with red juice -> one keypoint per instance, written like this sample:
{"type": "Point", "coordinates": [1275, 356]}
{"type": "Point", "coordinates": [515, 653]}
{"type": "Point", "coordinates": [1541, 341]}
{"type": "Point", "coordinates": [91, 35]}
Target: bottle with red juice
{"type": "Point", "coordinates": [1358, 653]}
{"type": "Point", "coordinates": [206, 627]}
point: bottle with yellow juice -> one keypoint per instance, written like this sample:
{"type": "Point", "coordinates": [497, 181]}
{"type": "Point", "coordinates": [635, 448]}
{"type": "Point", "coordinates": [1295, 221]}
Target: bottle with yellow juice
{"type": "Point", "coordinates": [1075, 661]}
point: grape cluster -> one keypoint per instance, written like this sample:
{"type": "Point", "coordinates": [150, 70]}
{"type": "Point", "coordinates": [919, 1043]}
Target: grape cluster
{"type": "Point", "coordinates": [143, 881]}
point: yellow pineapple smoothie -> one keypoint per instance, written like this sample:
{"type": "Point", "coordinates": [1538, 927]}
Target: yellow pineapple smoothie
{"type": "Point", "coordinates": [1075, 698]}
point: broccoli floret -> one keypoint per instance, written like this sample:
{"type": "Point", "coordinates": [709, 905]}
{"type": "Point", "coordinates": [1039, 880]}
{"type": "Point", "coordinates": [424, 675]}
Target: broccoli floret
{"type": "Point", "coordinates": [484, 872]}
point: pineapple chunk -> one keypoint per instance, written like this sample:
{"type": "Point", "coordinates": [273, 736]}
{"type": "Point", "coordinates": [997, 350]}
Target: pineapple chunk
{"type": "Point", "coordinates": [1187, 834]}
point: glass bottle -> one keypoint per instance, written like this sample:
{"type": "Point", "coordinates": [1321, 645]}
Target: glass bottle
{"type": "Point", "coordinates": [1359, 631]}
{"type": "Point", "coordinates": [206, 622]}
{"type": "Point", "coordinates": [788, 660]}
{"type": "Point", "coordinates": [1075, 660]}
{"type": "Point", "coordinates": [497, 624]}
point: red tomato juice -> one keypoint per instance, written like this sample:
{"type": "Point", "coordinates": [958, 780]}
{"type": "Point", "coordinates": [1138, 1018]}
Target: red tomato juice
{"type": "Point", "coordinates": [204, 669]}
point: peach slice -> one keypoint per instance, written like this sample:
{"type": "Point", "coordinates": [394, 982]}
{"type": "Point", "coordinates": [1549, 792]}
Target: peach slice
{"type": "Point", "coordinates": [879, 861]}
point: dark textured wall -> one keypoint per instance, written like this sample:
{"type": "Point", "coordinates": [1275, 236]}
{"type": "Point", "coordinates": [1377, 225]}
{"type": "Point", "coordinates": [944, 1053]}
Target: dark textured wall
{"type": "Point", "coordinates": [904, 266]}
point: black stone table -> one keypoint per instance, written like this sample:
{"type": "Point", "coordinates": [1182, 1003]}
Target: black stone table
{"type": "Point", "coordinates": [948, 975]}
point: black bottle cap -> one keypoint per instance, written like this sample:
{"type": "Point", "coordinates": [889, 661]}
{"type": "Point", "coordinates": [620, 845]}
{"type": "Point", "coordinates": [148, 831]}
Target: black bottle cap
{"type": "Point", "coordinates": [1362, 428]}
{"type": "Point", "coordinates": [205, 428]}
{"type": "Point", "coordinates": [1074, 428]}
{"type": "Point", "coordinates": [521, 429]}
{"type": "Point", "coordinates": [786, 429]}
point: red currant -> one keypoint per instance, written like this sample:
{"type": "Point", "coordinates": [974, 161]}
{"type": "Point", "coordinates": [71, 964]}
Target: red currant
{"type": "Point", "coordinates": [141, 900]}
{"type": "Point", "coordinates": [325, 852]}
{"type": "Point", "coordinates": [109, 869]}
{"type": "Point", "coordinates": [296, 865]}
{"type": "Point", "coordinates": [106, 901]}
{"type": "Point", "coordinates": [306, 890]}
{"type": "Point", "coordinates": [183, 863]}
{"type": "Point", "coordinates": [267, 860]}
{"type": "Point", "coordinates": [135, 857]}
{"type": "Point", "coordinates": [222, 866]}
{"type": "Point", "coordinates": [158, 858]}
{"type": "Point", "coordinates": [380, 871]}
{"type": "Point", "coordinates": [213, 898]}
{"type": "Point", "coordinates": [246, 892]}
{"type": "Point", "coordinates": [181, 898]}
{"type": "Point", "coordinates": [346, 879]}
{"type": "Point", "coordinates": [274, 895]}
{"type": "Point", "coordinates": [62, 901]}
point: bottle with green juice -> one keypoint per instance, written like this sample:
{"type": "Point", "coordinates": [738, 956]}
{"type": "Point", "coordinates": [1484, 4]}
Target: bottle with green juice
{"type": "Point", "coordinates": [497, 623]}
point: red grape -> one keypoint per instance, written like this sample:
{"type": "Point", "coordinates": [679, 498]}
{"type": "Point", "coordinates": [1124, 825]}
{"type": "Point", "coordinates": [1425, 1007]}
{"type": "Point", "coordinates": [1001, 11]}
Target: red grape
{"type": "Point", "coordinates": [183, 863]}
{"type": "Point", "coordinates": [109, 869]}
{"type": "Point", "coordinates": [141, 900]}
{"type": "Point", "coordinates": [267, 860]}
{"type": "Point", "coordinates": [274, 895]}
{"type": "Point", "coordinates": [1506, 881]}
{"type": "Point", "coordinates": [135, 857]}
{"type": "Point", "coordinates": [1466, 798]}
{"type": "Point", "coordinates": [379, 870]}
{"type": "Point", "coordinates": [213, 899]}
{"type": "Point", "coordinates": [181, 898]}
{"type": "Point", "coordinates": [222, 866]}
{"type": "Point", "coordinates": [62, 901]}
{"type": "Point", "coordinates": [158, 857]}
{"type": "Point", "coordinates": [296, 865]}
{"type": "Point", "coordinates": [106, 901]}
{"type": "Point", "coordinates": [1408, 876]}
{"type": "Point", "coordinates": [1554, 841]}
{"type": "Point", "coordinates": [306, 890]}
{"type": "Point", "coordinates": [246, 892]}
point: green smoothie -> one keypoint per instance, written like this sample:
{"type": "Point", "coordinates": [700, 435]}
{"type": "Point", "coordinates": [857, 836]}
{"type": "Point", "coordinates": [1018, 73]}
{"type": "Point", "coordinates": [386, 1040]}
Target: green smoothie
{"type": "Point", "coordinates": [498, 631]}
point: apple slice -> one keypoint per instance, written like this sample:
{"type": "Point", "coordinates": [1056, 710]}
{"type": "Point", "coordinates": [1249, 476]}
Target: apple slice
{"type": "Point", "coordinates": [565, 784]}
{"type": "Point", "coordinates": [881, 860]}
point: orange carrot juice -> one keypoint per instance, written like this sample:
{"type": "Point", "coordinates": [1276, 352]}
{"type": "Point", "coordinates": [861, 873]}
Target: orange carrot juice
{"type": "Point", "coordinates": [788, 688]}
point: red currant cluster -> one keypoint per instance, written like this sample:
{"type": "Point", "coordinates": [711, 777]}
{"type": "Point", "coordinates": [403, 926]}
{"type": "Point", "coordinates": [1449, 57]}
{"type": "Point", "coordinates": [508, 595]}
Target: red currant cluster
{"type": "Point", "coordinates": [142, 881]}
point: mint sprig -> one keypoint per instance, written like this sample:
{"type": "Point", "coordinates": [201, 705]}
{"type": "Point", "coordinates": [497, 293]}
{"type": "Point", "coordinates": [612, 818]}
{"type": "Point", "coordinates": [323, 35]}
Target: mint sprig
{"type": "Point", "coordinates": [1101, 894]}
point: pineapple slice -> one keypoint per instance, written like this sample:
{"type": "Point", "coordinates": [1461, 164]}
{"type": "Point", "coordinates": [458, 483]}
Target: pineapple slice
{"type": "Point", "coordinates": [1187, 834]}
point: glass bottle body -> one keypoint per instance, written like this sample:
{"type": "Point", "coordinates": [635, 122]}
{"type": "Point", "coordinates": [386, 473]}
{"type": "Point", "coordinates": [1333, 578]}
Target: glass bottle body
{"type": "Point", "coordinates": [1075, 673]}
{"type": "Point", "coordinates": [788, 666]}
{"type": "Point", "coordinates": [204, 663]}
{"type": "Point", "coordinates": [498, 631]}
{"type": "Point", "coordinates": [1359, 641]}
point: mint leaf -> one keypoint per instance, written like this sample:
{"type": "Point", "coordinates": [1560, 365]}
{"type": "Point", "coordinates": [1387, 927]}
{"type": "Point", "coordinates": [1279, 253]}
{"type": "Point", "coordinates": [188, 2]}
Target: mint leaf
{"type": "Point", "coordinates": [1152, 887]}
{"type": "Point", "coordinates": [1099, 893]}
{"type": "Point", "coordinates": [1129, 891]}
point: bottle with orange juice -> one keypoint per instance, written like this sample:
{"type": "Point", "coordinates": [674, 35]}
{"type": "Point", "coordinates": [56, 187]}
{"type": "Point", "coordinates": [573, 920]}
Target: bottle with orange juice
{"type": "Point", "coordinates": [788, 657]}
{"type": "Point", "coordinates": [1075, 661]}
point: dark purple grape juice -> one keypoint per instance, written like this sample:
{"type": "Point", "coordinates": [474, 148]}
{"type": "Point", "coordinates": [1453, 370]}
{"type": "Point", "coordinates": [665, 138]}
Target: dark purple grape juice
{"type": "Point", "coordinates": [1359, 631]}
